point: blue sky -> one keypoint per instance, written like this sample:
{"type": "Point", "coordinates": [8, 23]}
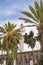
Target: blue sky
{"type": "Point", "coordinates": [10, 11]}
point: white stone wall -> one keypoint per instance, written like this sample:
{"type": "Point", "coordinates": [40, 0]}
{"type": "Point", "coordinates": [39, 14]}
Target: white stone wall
{"type": "Point", "coordinates": [21, 45]}
{"type": "Point", "coordinates": [14, 62]}
{"type": "Point", "coordinates": [4, 62]}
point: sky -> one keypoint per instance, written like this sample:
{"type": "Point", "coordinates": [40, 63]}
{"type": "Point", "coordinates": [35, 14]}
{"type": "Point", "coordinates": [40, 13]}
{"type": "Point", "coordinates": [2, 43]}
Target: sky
{"type": "Point", "coordinates": [10, 11]}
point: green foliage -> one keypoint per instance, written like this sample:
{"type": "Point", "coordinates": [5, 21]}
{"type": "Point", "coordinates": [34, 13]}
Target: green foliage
{"type": "Point", "coordinates": [35, 14]}
{"type": "Point", "coordinates": [10, 61]}
{"type": "Point", "coordinates": [30, 39]}
{"type": "Point", "coordinates": [33, 11]}
{"type": "Point", "coordinates": [36, 64]}
{"type": "Point", "coordinates": [41, 60]}
{"type": "Point", "coordinates": [11, 37]}
{"type": "Point", "coordinates": [29, 15]}
{"type": "Point", "coordinates": [38, 37]}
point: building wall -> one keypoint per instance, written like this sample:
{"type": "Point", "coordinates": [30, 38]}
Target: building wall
{"type": "Point", "coordinates": [25, 58]}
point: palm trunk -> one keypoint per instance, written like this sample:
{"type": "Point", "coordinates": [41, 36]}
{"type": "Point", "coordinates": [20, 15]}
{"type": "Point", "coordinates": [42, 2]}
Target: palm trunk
{"type": "Point", "coordinates": [21, 58]}
{"type": "Point", "coordinates": [2, 56]}
{"type": "Point", "coordinates": [4, 59]}
{"type": "Point", "coordinates": [29, 58]}
{"type": "Point", "coordinates": [41, 57]}
{"type": "Point", "coordinates": [33, 56]}
{"type": "Point", "coordinates": [16, 58]}
{"type": "Point", "coordinates": [40, 29]}
{"type": "Point", "coordinates": [15, 63]}
{"type": "Point", "coordinates": [41, 42]}
{"type": "Point", "coordinates": [7, 59]}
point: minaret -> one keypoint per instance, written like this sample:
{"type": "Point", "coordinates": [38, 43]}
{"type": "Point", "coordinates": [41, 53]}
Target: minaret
{"type": "Point", "coordinates": [22, 39]}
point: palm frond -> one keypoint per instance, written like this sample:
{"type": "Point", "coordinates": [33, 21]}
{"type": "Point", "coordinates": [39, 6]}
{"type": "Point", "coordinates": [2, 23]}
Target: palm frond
{"type": "Point", "coordinates": [14, 25]}
{"type": "Point", "coordinates": [2, 30]}
{"type": "Point", "coordinates": [29, 25]}
{"type": "Point", "coordinates": [27, 20]}
{"type": "Point", "coordinates": [17, 35]}
{"type": "Point", "coordinates": [9, 26]}
{"type": "Point", "coordinates": [29, 15]}
{"type": "Point", "coordinates": [4, 43]}
{"type": "Point", "coordinates": [33, 11]}
{"type": "Point", "coordinates": [17, 30]}
{"type": "Point", "coordinates": [6, 27]}
{"type": "Point", "coordinates": [38, 10]}
{"type": "Point", "coordinates": [41, 6]}
{"type": "Point", "coordinates": [41, 3]}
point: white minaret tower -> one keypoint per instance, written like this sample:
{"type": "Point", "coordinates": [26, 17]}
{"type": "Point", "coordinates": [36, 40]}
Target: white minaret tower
{"type": "Point", "coordinates": [22, 39]}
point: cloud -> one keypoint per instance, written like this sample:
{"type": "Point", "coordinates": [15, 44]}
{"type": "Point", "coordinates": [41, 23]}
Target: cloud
{"type": "Point", "coordinates": [10, 10]}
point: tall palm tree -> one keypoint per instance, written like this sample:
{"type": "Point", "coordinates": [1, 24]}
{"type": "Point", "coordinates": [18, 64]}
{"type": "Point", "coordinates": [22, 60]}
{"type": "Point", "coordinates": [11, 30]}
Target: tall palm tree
{"type": "Point", "coordinates": [40, 60]}
{"type": "Point", "coordinates": [30, 40]}
{"type": "Point", "coordinates": [35, 16]}
{"type": "Point", "coordinates": [11, 37]}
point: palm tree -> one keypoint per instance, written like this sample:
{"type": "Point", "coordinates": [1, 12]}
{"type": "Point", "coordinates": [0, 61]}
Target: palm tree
{"type": "Point", "coordinates": [1, 49]}
{"type": "Point", "coordinates": [40, 60]}
{"type": "Point", "coordinates": [35, 16]}
{"type": "Point", "coordinates": [30, 40]}
{"type": "Point", "coordinates": [11, 37]}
